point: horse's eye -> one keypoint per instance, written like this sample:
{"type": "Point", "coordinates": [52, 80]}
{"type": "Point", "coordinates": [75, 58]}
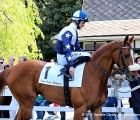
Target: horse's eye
{"type": "Point", "coordinates": [126, 55]}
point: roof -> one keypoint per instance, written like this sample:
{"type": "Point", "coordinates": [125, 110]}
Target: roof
{"type": "Point", "coordinates": [102, 10]}
{"type": "Point", "coordinates": [114, 27]}
{"type": "Point", "coordinates": [99, 29]}
{"type": "Point", "coordinates": [110, 18]}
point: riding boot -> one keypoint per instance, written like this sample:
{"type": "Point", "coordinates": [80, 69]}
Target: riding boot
{"type": "Point", "coordinates": [81, 60]}
{"type": "Point", "coordinates": [65, 71]}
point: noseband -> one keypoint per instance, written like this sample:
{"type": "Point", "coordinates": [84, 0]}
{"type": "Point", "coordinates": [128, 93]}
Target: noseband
{"type": "Point", "coordinates": [125, 69]}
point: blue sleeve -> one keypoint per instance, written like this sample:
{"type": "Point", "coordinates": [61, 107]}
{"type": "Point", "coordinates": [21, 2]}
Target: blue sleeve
{"type": "Point", "coordinates": [66, 41]}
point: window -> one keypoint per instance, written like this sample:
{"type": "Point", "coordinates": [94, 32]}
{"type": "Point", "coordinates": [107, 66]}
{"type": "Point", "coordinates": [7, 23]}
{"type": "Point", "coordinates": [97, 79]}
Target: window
{"type": "Point", "coordinates": [89, 46]}
{"type": "Point", "coordinates": [99, 44]}
{"type": "Point", "coordinates": [92, 46]}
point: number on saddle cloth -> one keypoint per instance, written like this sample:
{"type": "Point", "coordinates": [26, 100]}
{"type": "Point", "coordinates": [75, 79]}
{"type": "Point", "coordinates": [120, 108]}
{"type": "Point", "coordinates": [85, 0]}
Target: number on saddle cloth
{"type": "Point", "coordinates": [46, 73]}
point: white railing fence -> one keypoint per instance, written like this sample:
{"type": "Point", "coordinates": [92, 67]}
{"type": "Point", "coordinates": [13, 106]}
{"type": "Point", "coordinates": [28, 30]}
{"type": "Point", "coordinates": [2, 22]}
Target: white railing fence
{"type": "Point", "coordinates": [111, 93]}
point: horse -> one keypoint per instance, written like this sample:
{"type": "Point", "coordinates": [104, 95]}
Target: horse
{"type": "Point", "coordinates": [22, 80]}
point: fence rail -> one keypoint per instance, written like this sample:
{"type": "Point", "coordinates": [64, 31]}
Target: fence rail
{"type": "Point", "coordinates": [111, 93]}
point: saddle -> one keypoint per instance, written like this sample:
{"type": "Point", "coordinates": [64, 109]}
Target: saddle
{"type": "Point", "coordinates": [76, 62]}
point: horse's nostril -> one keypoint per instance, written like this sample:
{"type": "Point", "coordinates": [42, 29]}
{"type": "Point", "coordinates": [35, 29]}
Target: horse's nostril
{"type": "Point", "coordinates": [133, 76]}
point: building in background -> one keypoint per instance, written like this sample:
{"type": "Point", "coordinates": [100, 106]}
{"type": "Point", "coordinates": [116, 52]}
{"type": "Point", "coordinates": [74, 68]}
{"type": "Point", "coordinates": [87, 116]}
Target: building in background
{"type": "Point", "coordinates": [110, 20]}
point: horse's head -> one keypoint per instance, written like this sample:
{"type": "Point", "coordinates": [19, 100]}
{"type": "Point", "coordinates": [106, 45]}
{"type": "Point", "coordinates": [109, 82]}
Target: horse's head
{"type": "Point", "coordinates": [115, 52]}
{"type": "Point", "coordinates": [123, 57]}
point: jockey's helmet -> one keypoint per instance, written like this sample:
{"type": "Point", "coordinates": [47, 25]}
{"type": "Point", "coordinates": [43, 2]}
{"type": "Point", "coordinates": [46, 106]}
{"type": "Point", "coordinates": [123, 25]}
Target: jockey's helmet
{"type": "Point", "coordinates": [80, 15]}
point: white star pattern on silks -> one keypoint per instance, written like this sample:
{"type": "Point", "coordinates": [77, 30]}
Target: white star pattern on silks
{"type": "Point", "coordinates": [67, 46]}
{"type": "Point", "coordinates": [69, 58]}
{"type": "Point", "coordinates": [67, 35]}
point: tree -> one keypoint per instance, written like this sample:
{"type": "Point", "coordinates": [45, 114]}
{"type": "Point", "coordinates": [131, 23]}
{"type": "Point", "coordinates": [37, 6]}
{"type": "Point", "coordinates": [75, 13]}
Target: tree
{"type": "Point", "coordinates": [18, 31]}
{"type": "Point", "coordinates": [55, 14]}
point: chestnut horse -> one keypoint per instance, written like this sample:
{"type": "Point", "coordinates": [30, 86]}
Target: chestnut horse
{"type": "Point", "coordinates": [22, 80]}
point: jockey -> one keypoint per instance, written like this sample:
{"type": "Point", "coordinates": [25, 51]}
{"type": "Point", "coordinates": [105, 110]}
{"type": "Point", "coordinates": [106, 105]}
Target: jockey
{"type": "Point", "coordinates": [69, 52]}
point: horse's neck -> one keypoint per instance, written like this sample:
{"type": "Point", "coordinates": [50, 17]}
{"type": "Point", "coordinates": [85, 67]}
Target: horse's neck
{"type": "Point", "coordinates": [104, 63]}
{"type": "Point", "coordinates": [95, 81]}
{"type": "Point", "coordinates": [103, 57]}
{"type": "Point", "coordinates": [100, 72]}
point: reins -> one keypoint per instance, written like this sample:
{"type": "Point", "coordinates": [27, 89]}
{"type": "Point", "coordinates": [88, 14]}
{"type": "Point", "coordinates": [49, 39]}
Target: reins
{"type": "Point", "coordinates": [118, 71]}
{"type": "Point", "coordinates": [99, 67]}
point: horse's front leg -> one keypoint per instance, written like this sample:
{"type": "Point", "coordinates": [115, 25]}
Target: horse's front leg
{"type": "Point", "coordinates": [97, 113]}
{"type": "Point", "coordinates": [79, 112]}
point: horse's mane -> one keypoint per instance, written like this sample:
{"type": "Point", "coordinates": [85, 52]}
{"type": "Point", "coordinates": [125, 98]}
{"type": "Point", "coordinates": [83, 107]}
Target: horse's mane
{"type": "Point", "coordinates": [104, 48]}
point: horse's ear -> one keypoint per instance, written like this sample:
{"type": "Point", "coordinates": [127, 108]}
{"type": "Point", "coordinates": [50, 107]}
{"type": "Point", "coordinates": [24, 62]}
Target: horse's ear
{"type": "Point", "coordinates": [126, 39]}
{"type": "Point", "coordinates": [131, 39]}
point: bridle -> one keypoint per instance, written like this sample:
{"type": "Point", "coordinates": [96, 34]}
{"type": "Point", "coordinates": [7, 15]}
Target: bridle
{"type": "Point", "coordinates": [125, 69]}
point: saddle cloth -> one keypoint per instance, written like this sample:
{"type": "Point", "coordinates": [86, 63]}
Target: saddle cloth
{"type": "Point", "coordinates": [50, 72]}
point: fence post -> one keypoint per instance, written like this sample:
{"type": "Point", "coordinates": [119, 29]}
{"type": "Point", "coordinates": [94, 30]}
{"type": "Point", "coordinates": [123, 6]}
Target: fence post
{"type": "Point", "coordinates": [119, 108]}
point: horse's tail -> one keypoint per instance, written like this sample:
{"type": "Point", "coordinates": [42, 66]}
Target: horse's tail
{"type": "Point", "coordinates": [3, 80]}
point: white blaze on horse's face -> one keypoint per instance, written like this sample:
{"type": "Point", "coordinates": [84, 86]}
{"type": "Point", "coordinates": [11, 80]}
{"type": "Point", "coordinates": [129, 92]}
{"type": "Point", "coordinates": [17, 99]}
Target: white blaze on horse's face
{"type": "Point", "coordinates": [132, 54]}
